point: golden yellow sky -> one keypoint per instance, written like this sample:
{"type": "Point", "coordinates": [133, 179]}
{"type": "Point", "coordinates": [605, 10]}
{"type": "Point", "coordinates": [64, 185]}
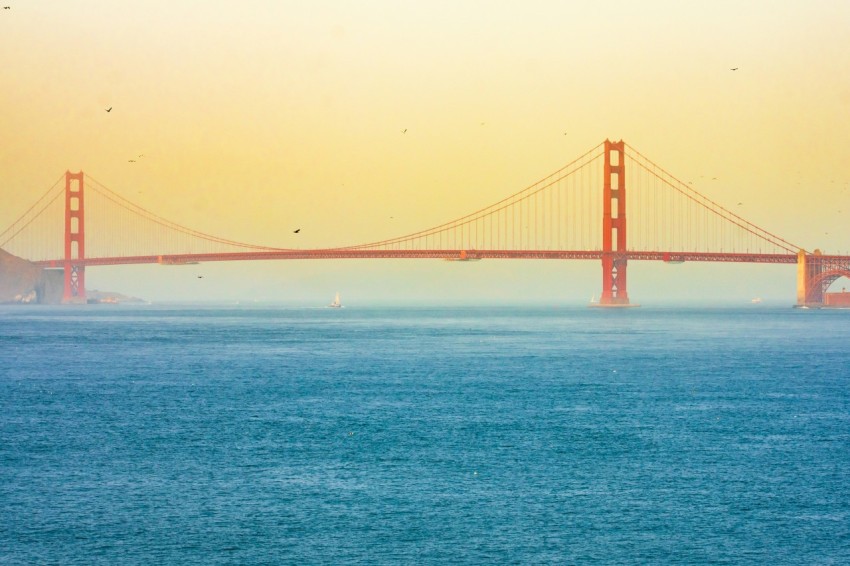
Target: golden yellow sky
{"type": "Point", "coordinates": [256, 117]}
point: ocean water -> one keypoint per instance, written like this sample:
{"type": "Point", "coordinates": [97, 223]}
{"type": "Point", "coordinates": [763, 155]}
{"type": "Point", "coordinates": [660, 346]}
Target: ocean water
{"type": "Point", "coordinates": [186, 435]}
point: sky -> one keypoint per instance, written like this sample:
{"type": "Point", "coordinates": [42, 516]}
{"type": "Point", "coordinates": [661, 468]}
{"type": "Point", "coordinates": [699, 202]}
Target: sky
{"type": "Point", "coordinates": [256, 117]}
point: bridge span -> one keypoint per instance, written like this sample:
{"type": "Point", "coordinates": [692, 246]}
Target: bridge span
{"type": "Point", "coordinates": [579, 212]}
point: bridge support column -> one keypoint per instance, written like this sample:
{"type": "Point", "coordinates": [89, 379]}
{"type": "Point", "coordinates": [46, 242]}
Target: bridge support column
{"type": "Point", "coordinates": [614, 261]}
{"type": "Point", "coordinates": [810, 290]}
{"type": "Point", "coordinates": [801, 278]}
{"type": "Point", "coordinates": [75, 248]}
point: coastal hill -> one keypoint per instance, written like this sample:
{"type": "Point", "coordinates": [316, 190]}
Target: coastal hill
{"type": "Point", "coordinates": [24, 282]}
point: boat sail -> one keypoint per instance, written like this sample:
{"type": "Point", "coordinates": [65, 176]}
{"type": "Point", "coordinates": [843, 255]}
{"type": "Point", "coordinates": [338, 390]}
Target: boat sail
{"type": "Point", "coordinates": [336, 304]}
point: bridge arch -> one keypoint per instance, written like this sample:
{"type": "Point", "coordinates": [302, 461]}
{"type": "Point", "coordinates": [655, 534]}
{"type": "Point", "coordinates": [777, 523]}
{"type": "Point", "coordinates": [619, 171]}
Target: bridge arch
{"type": "Point", "coordinates": [827, 278]}
{"type": "Point", "coordinates": [819, 283]}
{"type": "Point", "coordinates": [815, 273]}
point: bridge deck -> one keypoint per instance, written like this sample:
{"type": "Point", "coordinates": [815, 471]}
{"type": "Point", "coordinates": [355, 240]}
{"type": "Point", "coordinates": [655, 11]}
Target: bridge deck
{"type": "Point", "coordinates": [348, 253]}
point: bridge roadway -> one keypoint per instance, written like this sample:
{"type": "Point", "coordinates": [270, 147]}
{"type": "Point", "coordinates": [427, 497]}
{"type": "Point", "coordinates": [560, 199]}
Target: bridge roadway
{"type": "Point", "coordinates": [457, 255]}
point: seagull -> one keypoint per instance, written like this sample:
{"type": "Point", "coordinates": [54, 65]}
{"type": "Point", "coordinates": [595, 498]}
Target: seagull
{"type": "Point", "coordinates": [7, 7]}
{"type": "Point", "coordinates": [200, 276]}
{"type": "Point", "coordinates": [404, 131]}
{"type": "Point", "coordinates": [109, 109]}
{"type": "Point", "coordinates": [131, 161]}
{"type": "Point", "coordinates": [296, 231]}
{"type": "Point", "coordinates": [734, 69]}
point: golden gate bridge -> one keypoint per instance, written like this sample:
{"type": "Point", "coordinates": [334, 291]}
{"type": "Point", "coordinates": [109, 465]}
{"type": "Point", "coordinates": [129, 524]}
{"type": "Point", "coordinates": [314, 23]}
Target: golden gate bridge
{"type": "Point", "coordinates": [580, 211]}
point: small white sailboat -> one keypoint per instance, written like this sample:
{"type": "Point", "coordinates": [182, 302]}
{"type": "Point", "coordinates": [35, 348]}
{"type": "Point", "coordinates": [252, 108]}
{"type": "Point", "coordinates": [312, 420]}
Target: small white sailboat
{"type": "Point", "coordinates": [335, 304]}
{"type": "Point", "coordinates": [593, 300]}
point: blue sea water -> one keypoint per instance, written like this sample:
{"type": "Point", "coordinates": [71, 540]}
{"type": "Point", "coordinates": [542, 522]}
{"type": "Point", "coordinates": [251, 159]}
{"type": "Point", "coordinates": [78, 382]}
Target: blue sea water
{"type": "Point", "coordinates": [186, 435]}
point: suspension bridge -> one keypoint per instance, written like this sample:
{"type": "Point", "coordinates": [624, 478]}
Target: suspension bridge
{"type": "Point", "coordinates": [581, 211]}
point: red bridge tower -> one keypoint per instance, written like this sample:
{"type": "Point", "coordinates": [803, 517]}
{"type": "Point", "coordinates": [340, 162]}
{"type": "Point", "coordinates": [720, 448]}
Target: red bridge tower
{"type": "Point", "coordinates": [75, 239]}
{"type": "Point", "coordinates": [614, 261]}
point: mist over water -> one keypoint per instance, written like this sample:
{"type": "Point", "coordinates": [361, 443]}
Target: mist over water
{"type": "Point", "coordinates": [188, 434]}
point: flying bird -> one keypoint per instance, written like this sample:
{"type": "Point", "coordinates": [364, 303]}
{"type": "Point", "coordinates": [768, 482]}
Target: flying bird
{"type": "Point", "coordinates": [200, 276]}
{"type": "Point", "coordinates": [109, 109]}
{"type": "Point", "coordinates": [131, 161]}
{"type": "Point", "coordinates": [296, 231]}
{"type": "Point", "coordinates": [404, 131]}
{"type": "Point", "coordinates": [734, 69]}
{"type": "Point", "coordinates": [7, 7]}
